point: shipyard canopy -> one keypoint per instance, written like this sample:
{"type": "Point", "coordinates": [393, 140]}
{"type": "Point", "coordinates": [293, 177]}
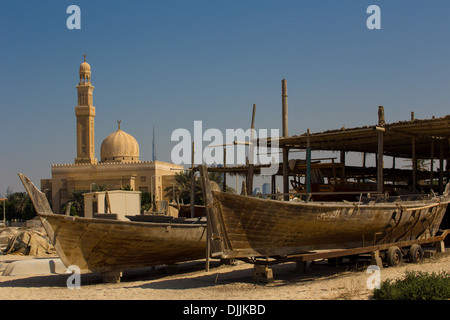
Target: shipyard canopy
{"type": "Point", "coordinates": [430, 136]}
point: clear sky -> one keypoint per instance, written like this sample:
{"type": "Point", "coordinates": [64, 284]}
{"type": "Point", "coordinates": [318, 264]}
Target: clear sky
{"type": "Point", "coordinates": [168, 63]}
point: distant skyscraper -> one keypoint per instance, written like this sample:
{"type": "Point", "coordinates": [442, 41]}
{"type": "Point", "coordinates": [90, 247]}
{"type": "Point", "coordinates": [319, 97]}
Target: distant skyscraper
{"type": "Point", "coordinates": [9, 191]}
{"type": "Point", "coordinates": [266, 188]}
{"type": "Point", "coordinates": [153, 146]}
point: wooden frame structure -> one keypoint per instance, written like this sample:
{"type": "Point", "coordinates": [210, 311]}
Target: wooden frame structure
{"type": "Point", "coordinates": [414, 139]}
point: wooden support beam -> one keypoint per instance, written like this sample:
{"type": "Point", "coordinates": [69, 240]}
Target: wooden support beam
{"type": "Point", "coordinates": [224, 186]}
{"type": "Point", "coordinates": [308, 163]}
{"type": "Point", "coordinates": [432, 164]}
{"type": "Point", "coordinates": [214, 238]}
{"type": "Point", "coordinates": [363, 178]}
{"type": "Point", "coordinates": [273, 186]}
{"type": "Point", "coordinates": [380, 163]}
{"type": "Point", "coordinates": [413, 158]}
{"type": "Point", "coordinates": [284, 116]}
{"type": "Point", "coordinates": [414, 164]}
{"type": "Point", "coordinates": [192, 200]}
{"type": "Point", "coordinates": [393, 167]}
{"type": "Point", "coordinates": [286, 172]}
{"type": "Point", "coordinates": [251, 154]}
{"type": "Point", "coordinates": [441, 166]}
{"type": "Point", "coordinates": [342, 160]}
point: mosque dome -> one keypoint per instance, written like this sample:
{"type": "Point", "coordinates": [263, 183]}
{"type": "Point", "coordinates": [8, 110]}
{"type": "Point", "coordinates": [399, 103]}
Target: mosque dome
{"type": "Point", "coordinates": [120, 147]}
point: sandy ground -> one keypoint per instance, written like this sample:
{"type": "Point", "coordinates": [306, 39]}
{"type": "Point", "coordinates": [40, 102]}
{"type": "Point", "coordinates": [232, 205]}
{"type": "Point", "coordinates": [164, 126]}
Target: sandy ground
{"type": "Point", "coordinates": [222, 282]}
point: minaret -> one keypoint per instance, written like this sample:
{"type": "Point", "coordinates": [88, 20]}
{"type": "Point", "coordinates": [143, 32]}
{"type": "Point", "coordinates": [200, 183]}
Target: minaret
{"type": "Point", "coordinates": [85, 113]}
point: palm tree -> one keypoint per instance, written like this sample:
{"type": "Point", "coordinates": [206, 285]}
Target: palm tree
{"type": "Point", "coordinates": [217, 177]}
{"type": "Point", "coordinates": [182, 189]}
{"type": "Point", "coordinates": [76, 203]}
{"type": "Point", "coordinates": [146, 201]}
{"type": "Point", "coordinates": [20, 206]}
{"type": "Point", "coordinates": [98, 187]}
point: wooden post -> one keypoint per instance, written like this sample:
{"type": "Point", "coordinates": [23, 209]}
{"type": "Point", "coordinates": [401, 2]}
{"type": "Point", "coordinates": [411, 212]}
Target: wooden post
{"type": "Point", "coordinates": [414, 164]}
{"type": "Point", "coordinates": [432, 164]}
{"type": "Point", "coordinates": [192, 206]}
{"type": "Point", "coordinates": [342, 160]}
{"type": "Point", "coordinates": [284, 105]}
{"type": "Point", "coordinates": [414, 159]}
{"type": "Point", "coordinates": [286, 173]}
{"type": "Point", "coordinates": [244, 188]}
{"type": "Point", "coordinates": [308, 163]}
{"type": "Point", "coordinates": [393, 167]}
{"type": "Point", "coordinates": [251, 154]}
{"type": "Point", "coordinates": [214, 238]}
{"type": "Point", "coordinates": [273, 186]}
{"type": "Point", "coordinates": [380, 164]}
{"type": "Point", "coordinates": [208, 245]}
{"type": "Point", "coordinates": [441, 166]}
{"type": "Point", "coordinates": [364, 167]}
{"type": "Point", "coordinates": [224, 186]}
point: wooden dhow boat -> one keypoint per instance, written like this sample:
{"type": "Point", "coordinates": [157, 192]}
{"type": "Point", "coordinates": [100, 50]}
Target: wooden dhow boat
{"type": "Point", "coordinates": [243, 226]}
{"type": "Point", "coordinates": [111, 246]}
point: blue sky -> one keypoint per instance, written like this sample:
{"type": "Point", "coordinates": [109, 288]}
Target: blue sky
{"type": "Point", "coordinates": [168, 63]}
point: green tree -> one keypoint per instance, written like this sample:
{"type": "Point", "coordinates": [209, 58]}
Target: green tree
{"type": "Point", "coordinates": [19, 206]}
{"type": "Point", "coordinates": [217, 177]}
{"type": "Point", "coordinates": [98, 187]}
{"type": "Point", "coordinates": [182, 188]}
{"type": "Point", "coordinates": [76, 203]}
{"type": "Point", "coordinates": [146, 201]}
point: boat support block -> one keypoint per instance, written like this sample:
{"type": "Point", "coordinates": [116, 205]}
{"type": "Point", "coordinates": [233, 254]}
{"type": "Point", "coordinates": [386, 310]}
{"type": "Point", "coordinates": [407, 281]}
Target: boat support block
{"type": "Point", "coordinates": [111, 276]}
{"type": "Point", "coordinates": [376, 259]}
{"type": "Point", "coordinates": [262, 273]}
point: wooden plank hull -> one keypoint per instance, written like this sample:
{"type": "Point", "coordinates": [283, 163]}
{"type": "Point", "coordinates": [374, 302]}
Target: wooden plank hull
{"type": "Point", "coordinates": [103, 245]}
{"type": "Point", "coordinates": [257, 227]}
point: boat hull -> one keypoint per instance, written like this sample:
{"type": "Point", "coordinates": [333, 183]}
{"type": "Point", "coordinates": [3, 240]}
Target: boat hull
{"type": "Point", "coordinates": [103, 245]}
{"type": "Point", "coordinates": [243, 226]}
{"type": "Point", "coordinates": [99, 245]}
{"type": "Point", "coordinates": [260, 227]}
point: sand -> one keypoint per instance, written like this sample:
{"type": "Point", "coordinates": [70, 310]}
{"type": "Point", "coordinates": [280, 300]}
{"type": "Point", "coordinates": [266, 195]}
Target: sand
{"type": "Point", "coordinates": [222, 282]}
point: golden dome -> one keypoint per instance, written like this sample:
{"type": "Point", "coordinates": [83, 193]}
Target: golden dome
{"type": "Point", "coordinates": [85, 72]}
{"type": "Point", "coordinates": [119, 147]}
{"type": "Point", "coordinates": [85, 68]}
